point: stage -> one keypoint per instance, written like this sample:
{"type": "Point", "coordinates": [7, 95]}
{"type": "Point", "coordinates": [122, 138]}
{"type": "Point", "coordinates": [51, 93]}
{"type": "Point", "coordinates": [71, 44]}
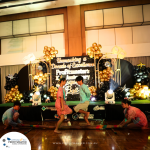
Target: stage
{"type": "Point", "coordinates": [47, 110]}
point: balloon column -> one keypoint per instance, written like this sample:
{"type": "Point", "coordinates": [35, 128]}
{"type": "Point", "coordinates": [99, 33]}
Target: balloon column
{"type": "Point", "coordinates": [49, 53]}
{"type": "Point", "coordinates": [140, 91]}
{"type": "Point", "coordinates": [11, 81]}
{"type": "Point", "coordinates": [93, 90]}
{"type": "Point", "coordinates": [53, 90]}
{"type": "Point", "coordinates": [141, 73]}
{"type": "Point", "coordinates": [13, 95]}
{"type": "Point", "coordinates": [40, 78]}
{"type": "Point", "coordinates": [95, 50]}
{"type": "Point", "coordinates": [106, 74]}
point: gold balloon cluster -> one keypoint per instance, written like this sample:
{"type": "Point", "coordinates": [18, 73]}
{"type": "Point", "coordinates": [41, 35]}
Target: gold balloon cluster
{"type": "Point", "coordinates": [106, 74]}
{"type": "Point", "coordinates": [93, 90]}
{"type": "Point", "coordinates": [140, 91]}
{"type": "Point", "coordinates": [95, 51]}
{"type": "Point", "coordinates": [53, 91]}
{"type": "Point", "coordinates": [40, 78]}
{"type": "Point", "coordinates": [49, 53]}
{"type": "Point", "coordinates": [13, 95]}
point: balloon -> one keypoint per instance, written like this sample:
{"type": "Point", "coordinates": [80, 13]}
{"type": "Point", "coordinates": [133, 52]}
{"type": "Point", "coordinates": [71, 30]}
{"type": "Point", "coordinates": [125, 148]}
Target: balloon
{"type": "Point", "coordinates": [12, 89]}
{"type": "Point", "coordinates": [100, 72]}
{"type": "Point", "coordinates": [96, 48]}
{"type": "Point", "coordinates": [56, 52]}
{"type": "Point", "coordinates": [52, 48]}
{"type": "Point", "coordinates": [102, 80]}
{"type": "Point", "coordinates": [104, 71]}
{"type": "Point", "coordinates": [94, 44]}
{"type": "Point", "coordinates": [44, 51]}
{"type": "Point", "coordinates": [45, 47]}
{"type": "Point", "coordinates": [99, 46]}
{"type": "Point", "coordinates": [40, 73]}
{"type": "Point", "coordinates": [100, 55]}
{"type": "Point", "coordinates": [47, 52]}
{"type": "Point", "coordinates": [49, 49]}
{"type": "Point", "coordinates": [105, 76]}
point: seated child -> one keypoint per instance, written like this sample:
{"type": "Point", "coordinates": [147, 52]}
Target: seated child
{"type": "Point", "coordinates": [11, 116]}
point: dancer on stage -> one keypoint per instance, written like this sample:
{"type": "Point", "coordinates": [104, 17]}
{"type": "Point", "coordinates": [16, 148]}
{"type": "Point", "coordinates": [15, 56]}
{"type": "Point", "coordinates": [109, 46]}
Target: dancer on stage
{"type": "Point", "coordinates": [85, 94]}
{"type": "Point", "coordinates": [11, 116]}
{"type": "Point", "coordinates": [135, 117]}
{"type": "Point", "coordinates": [60, 104]}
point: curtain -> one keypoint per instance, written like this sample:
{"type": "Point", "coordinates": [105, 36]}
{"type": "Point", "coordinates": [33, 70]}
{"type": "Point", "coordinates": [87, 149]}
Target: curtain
{"type": "Point", "coordinates": [136, 60]}
{"type": "Point", "coordinates": [5, 71]}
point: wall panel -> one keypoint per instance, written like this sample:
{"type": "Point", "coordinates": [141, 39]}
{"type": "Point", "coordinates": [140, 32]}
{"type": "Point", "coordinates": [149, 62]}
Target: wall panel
{"type": "Point", "coordinates": [123, 35]}
{"type": "Point", "coordinates": [141, 34]}
{"type": "Point", "coordinates": [5, 28]}
{"type": "Point", "coordinates": [29, 44]}
{"type": "Point", "coordinates": [43, 40]}
{"type": "Point", "coordinates": [93, 18]}
{"type": "Point", "coordinates": [55, 22]}
{"type": "Point", "coordinates": [132, 14]}
{"type": "Point", "coordinates": [106, 37]}
{"type": "Point", "coordinates": [113, 16]}
{"type": "Point", "coordinates": [20, 26]}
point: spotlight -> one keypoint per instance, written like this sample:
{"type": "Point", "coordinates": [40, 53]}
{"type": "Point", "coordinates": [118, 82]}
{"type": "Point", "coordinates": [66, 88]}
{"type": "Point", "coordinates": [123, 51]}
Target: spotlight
{"type": "Point", "coordinates": [93, 99]}
{"type": "Point", "coordinates": [31, 94]}
{"type": "Point", "coordinates": [110, 97]}
{"type": "Point", "coordinates": [45, 96]}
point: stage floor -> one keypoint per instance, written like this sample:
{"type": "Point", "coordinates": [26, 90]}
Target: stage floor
{"type": "Point", "coordinates": [45, 139]}
{"type": "Point", "coordinates": [72, 103]}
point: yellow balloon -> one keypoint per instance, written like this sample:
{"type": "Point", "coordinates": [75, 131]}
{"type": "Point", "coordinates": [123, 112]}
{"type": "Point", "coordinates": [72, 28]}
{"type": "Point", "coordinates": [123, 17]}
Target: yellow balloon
{"type": "Point", "coordinates": [16, 87]}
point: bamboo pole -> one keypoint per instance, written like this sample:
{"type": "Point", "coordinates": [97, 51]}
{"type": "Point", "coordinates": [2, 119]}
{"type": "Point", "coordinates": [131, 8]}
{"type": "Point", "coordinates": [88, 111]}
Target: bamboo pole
{"type": "Point", "coordinates": [73, 127]}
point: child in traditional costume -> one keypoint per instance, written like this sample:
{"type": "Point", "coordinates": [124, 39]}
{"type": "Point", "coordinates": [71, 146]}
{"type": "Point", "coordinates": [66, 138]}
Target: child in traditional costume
{"type": "Point", "coordinates": [134, 117]}
{"type": "Point", "coordinates": [11, 116]}
{"type": "Point", "coordinates": [85, 95]}
{"type": "Point", "coordinates": [60, 104]}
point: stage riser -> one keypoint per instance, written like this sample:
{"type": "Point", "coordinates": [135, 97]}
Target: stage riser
{"type": "Point", "coordinates": [111, 112]}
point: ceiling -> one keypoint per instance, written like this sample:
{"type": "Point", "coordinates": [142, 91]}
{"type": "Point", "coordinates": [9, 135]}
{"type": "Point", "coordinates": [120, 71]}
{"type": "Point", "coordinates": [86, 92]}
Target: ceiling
{"type": "Point", "coordinates": [21, 6]}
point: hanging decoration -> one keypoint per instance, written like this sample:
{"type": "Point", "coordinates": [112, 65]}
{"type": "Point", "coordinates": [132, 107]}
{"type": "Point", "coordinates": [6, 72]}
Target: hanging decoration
{"type": "Point", "coordinates": [53, 90]}
{"type": "Point", "coordinates": [49, 53]}
{"type": "Point", "coordinates": [95, 51]}
{"type": "Point", "coordinates": [13, 95]}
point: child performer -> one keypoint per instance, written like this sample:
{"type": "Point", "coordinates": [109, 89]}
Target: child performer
{"type": "Point", "coordinates": [60, 104]}
{"type": "Point", "coordinates": [136, 119]}
{"type": "Point", "coordinates": [85, 94]}
{"type": "Point", "coordinates": [11, 116]}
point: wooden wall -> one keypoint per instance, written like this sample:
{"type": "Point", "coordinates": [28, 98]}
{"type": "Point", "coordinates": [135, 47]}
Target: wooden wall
{"type": "Point", "coordinates": [41, 14]}
{"type": "Point", "coordinates": [104, 5]}
{"type": "Point", "coordinates": [74, 22]}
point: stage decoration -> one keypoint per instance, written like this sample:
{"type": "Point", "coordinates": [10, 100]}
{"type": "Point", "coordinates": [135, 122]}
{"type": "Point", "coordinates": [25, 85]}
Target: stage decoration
{"type": "Point", "coordinates": [36, 97]}
{"type": "Point", "coordinates": [40, 78]}
{"type": "Point", "coordinates": [28, 59]}
{"type": "Point", "coordinates": [93, 91]}
{"type": "Point", "coordinates": [11, 81]}
{"type": "Point", "coordinates": [140, 91]}
{"type": "Point", "coordinates": [140, 65]}
{"type": "Point", "coordinates": [95, 51]}
{"type": "Point", "coordinates": [53, 90]}
{"type": "Point", "coordinates": [49, 53]}
{"type": "Point", "coordinates": [106, 74]}
{"type": "Point", "coordinates": [13, 95]}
